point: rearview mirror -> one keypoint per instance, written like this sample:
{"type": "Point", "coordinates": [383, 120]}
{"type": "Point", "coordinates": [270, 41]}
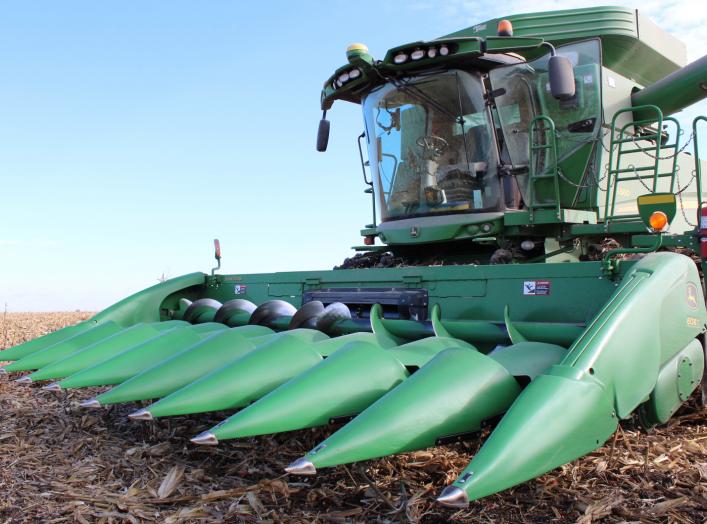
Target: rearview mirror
{"type": "Point", "coordinates": [323, 135]}
{"type": "Point", "coordinates": [561, 75]}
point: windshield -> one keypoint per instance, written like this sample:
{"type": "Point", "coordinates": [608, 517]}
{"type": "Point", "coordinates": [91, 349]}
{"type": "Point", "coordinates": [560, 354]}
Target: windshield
{"type": "Point", "coordinates": [430, 146]}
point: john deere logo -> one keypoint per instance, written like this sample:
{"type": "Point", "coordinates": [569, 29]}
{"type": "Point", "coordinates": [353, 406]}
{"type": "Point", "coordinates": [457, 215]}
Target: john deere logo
{"type": "Point", "coordinates": [692, 296]}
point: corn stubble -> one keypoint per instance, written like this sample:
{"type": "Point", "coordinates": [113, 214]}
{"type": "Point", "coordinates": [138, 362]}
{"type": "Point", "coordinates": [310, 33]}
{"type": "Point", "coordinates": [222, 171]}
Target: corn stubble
{"type": "Point", "coordinates": [61, 464]}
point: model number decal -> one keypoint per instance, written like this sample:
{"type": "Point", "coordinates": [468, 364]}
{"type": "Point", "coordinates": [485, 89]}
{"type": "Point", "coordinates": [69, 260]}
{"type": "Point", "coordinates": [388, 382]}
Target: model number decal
{"type": "Point", "coordinates": [692, 296]}
{"type": "Point", "coordinates": [536, 288]}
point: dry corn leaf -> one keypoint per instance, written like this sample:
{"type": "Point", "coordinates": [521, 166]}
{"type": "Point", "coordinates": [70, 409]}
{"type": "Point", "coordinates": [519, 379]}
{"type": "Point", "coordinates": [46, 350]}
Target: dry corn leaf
{"type": "Point", "coordinates": [255, 503]}
{"type": "Point", "coordinates": [171, 481]}
{"type": "Point", "coordinates": [663, 507]}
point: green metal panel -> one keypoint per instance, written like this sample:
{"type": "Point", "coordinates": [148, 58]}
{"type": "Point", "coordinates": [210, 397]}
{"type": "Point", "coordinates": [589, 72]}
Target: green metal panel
{"type": "Point", "coordinates": [674, 92]}
{"type": "Point", "coordinates": [554, 421]}
{"type": "Point", "coordinates": [656, 312]}
{"type": "Point", "coordinates": [104, 349]}
{"type": "Point", "coordinates": [503, 285]}
{"type": "Point", "coordinates": [646, 57]}
{"type": "Point", "coordinates": [677, 379]}
{"type": "Point", "coordinates": [344, 384]}
{"type": "Point", "coordinates": [645, 323]}
{"type": "Point", "coordinates": [137, 358]}
{"type": "Point", "coordinates": [144, 306]}
{"type": "Point", "coordinates": [453, 394]}
{"type": "Point", "coordinates": [213, 353]}
{"type": "Point", "coordinates": [249, 377]}
{"type": "Point", "coordinates": [37, 359]}
{"type": "Point", "coordinates": [55, 338]}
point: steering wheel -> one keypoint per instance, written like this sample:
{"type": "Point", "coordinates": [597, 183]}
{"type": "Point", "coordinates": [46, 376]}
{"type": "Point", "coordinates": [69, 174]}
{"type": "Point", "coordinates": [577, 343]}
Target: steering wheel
{"type": "Point", "coordinates": [436, 145]}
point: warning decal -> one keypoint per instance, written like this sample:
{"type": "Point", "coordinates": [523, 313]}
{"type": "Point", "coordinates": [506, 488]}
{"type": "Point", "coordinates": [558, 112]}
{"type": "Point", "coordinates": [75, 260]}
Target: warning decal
{"type": "Point", "coordinates": [536, 287]}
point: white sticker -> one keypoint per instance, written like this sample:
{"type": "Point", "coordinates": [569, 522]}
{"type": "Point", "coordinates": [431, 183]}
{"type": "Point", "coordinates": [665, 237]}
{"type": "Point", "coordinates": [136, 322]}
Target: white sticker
{"type": "Point", "coordinates": [611, 81]}
{"type": "Point", "coordinates": [588, 79]}
{"type": "Point", "coordinates": [240, 289]}
{"type": "Point", "coordinates": [703, 222]}
{"type": "Point", "coordinates": [536, 288]}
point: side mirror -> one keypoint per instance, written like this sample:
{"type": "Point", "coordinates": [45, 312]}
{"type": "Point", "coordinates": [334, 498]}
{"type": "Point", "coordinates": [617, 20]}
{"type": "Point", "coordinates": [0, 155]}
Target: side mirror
{"type": "Point", "coordinates": [323, 135]}
{"type": "Point", "coordinates": [561, 75]}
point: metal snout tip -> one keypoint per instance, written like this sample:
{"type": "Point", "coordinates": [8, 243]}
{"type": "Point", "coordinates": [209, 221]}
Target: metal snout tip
{"type": "Point", "coordinates": [24, 380]}
{"type": "Point", "coordinates": [205, 439]}
{"type": "Point", "coordinates": [91, 403]}
{"type": "Point", "coordinates": [52, 387]}
{"type": "Point", "coordinates": [141, 414]}
{"type": "Point", "coordinates": [301, 466]}
{"type": "Point", "coordinates": [453, 497]}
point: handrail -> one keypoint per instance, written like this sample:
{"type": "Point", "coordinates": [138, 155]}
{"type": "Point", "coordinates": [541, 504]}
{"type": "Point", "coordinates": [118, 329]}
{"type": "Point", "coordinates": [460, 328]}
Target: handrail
{"type": "Point", "coordinates": [610, 266]}
{"type": "Point", "coordinates": [548, 129]}
{"type": "Point", "coordinates": [698, 164]}
{"type": "Point", "coordinates": [613, 174]}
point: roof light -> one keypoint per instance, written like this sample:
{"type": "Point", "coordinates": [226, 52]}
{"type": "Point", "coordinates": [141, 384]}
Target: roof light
{"type": "Point", "coordinates": [443, 50]}
{"type": "Point", "coordinates": [417, 54]}
{"type": "Point", "coordinates": [658, 221]}
{"type": "Point", "coordinates": [400, 58]}
{"type": "Point", "coordinates": [363, 48]}
{"type": "Point", "coordinates": [505, 28]}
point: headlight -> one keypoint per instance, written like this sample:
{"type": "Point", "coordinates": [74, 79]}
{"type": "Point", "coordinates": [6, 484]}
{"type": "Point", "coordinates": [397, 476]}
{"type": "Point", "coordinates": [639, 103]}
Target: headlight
{"type": "Point", "coordinates": [417, 54]}
{"type": "Point", "coordinates": [343, 78]}
{"type": "Point", "coordinates": [432, 52]}
{"type": "Point", "coordinates": [400, 58]}
{"type": "Point", "coordinates": [354, 73]}
{"type": "Point", "coordinates": [444, 50]}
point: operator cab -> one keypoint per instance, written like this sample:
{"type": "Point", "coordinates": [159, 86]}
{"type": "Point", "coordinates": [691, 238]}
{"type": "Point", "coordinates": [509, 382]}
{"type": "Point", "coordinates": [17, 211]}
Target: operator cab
{"type": "Point", "coordinates": [457, 141]}
{"type": "Point", "coordinates": [431, 143]}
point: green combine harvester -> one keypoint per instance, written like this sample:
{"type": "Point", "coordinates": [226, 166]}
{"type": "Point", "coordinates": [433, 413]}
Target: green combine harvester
{"type": "Point", "coordinates": [533, 264]}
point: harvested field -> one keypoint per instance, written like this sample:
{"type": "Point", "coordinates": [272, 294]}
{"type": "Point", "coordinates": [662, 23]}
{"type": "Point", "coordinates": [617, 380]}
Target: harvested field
{"type": "Point", "coordinates": [59, 463]}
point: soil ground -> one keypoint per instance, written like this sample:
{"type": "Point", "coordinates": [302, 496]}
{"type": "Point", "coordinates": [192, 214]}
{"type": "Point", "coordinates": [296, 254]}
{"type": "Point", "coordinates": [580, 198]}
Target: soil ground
{"type": "Point", "coordinates": [61, 463]}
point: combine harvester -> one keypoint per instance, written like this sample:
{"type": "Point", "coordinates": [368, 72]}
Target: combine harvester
{"type": "Point", "coordinates": [536, 205]}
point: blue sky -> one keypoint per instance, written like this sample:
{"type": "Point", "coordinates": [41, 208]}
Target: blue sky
{"type": "Point", "coordinates": [133, 133]}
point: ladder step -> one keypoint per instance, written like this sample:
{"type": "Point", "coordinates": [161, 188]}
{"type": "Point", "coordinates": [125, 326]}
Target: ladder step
{"type": "Point", "coordinates": [643, 177]}
{"type": "Point", "coordinates": [627, 140]}
{"type": "Point", "coordinates": [633, 169]}
{"type": "Point", "coordinates": [633, 151]}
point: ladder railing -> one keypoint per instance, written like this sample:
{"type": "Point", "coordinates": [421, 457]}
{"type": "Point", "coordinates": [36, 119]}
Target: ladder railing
{"type": "Point", "coordinates": [698, 164]}
{"type": "Point", "coordinates": [625, 144]}
{"type": "Point", "coordinates": [543, 165]}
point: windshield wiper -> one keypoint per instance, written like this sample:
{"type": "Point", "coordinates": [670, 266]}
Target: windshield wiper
{"type": "Point", "coordinates": [416, 92]}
